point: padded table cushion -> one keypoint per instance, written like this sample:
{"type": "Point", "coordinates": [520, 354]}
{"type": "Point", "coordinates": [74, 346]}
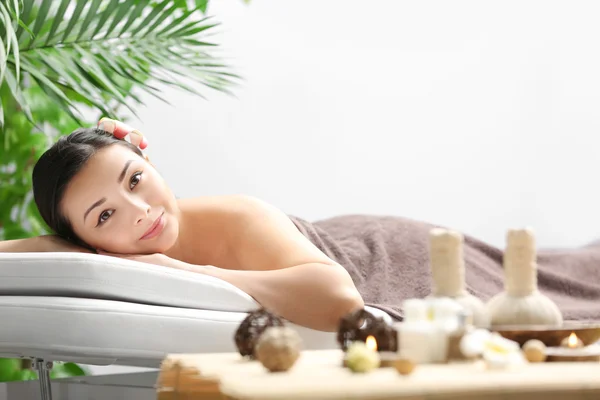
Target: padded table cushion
{"type": "Point", "coordinates": [104, 310]}
{"type": "Point", "coordinates": [104, 277]}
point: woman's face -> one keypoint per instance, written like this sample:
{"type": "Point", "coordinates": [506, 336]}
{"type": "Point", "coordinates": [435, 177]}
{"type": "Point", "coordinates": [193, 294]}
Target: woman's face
{"type": "Point", "coordinates": [120, 204]}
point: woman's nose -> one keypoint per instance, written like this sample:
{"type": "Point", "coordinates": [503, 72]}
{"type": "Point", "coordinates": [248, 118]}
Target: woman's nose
{"type": "Point", "coordinates": [142, 212]}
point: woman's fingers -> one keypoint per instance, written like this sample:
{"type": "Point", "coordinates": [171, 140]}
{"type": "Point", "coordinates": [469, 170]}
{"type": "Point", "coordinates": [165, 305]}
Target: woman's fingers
{"type": "Point", "coordinates": [138, 139]}
{"type": "Point", "coordinates": [108, 125]}
{"type": "Point", "coordinates": [121, 130]}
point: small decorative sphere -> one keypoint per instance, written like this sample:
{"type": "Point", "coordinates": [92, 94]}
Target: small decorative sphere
{"type": "Point", "coordinates": [359, 358]}
{"type": "Point", "coordinates": [251, 328]}
{"type": "Point", "coordinates": [535, 350]}
{"type": "Point", "coordinates": [278, 348]}
{"type": "Point", "coordinates": [404, 366]}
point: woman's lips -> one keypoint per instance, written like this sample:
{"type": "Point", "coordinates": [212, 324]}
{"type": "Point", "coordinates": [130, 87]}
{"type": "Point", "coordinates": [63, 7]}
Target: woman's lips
{"type": "Point", "coordinates": [156, 228]}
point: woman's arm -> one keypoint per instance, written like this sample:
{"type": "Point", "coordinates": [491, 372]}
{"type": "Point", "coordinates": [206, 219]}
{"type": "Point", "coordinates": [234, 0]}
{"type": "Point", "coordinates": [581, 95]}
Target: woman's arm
{"type": "Point", "coordinates": [40, 244]}
{"type": "Point", "coordinates": [313, 295]}
{"type": "Point", "coordinates": [280, 268]}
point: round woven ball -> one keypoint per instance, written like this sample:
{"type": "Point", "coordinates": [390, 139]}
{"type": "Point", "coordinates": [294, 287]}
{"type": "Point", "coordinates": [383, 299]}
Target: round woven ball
{"type": "Point", "coordinates": [251, 328]}
{"type": "Point", "coordinates": [278, 348]}
{"type": "Point", "coordinates": [360, 324]}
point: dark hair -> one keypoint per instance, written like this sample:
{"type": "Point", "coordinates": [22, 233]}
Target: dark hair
{"type": "Point", "coordinates": [56, 168]}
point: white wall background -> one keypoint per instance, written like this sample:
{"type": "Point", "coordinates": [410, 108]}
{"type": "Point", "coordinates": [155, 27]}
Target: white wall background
{"type": "Point", "coordinates": [477, 115]}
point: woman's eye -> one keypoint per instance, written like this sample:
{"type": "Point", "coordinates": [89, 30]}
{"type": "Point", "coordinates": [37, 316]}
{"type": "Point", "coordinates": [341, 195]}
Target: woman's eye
{"type": "Point", "coordinates": [135, 179]}
{"type": "Point", "coordinates": [104, 216]}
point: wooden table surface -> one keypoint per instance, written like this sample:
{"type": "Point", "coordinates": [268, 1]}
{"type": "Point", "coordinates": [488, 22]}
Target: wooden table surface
{"type": "Point", "coordinates": [319, 375]}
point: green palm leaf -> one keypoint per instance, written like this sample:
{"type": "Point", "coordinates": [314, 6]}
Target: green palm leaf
{"type": "Point", "coordinates": [99, 53]}
{"type": "Point", "coordinates": [58, 19]}
{"type": "Point", "coordinates": [89, 17]}
{"type": "Point", "coordinates": [42, 17]}
{"type": "Point", "coordinates": [74, 19]}
{"type": "Point", "coordinates": [8, 39]}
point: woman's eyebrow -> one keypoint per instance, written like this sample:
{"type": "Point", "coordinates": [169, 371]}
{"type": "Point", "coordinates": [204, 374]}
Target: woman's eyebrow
{"type": "Point", "coordinates": [96, 204]}
{"type": "Point", "coordinates": [122, 176]}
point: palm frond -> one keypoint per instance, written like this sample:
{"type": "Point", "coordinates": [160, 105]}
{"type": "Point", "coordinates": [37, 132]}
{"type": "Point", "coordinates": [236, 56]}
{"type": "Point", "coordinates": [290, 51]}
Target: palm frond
{"type": "Point", "coordinates": [80, 4]}
{"type": "Point", "coordinates": [58, 19]}
{"type": "Point", "coordinates": [89, 17]}
{"type": "Point", "coordinates": [42, 18]}
{"type": "Point", "coordinates": [13, 85]}
{"type": "Point", "coordinates": [1, 114]}
{"type": "Point", "coordinates": [99, 52]}
{"type": "Point", "coordinates": [202, 5]}
{"type": "Point", "coordinates": [9, 14]}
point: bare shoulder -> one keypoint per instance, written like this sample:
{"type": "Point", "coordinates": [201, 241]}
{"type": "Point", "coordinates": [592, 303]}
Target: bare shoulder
{"type": "Point", "coordinates": [232, 214]}
{"type": "Point", "coordinates": [251, 233]}
{"type": "Point", "coordinates": [224, 206]}
{"type": "Point", "coordinates": [222, 230]}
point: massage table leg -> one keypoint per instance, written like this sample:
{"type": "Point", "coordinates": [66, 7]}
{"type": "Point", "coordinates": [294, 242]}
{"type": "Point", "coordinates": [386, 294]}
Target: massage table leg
{"type": "Point", "coordinates": [43, 367]}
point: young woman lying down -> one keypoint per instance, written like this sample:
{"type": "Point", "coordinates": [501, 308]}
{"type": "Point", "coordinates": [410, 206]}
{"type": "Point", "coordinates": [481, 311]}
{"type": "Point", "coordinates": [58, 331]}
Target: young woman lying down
{"type": "Point", "coordinates": [98, 193]}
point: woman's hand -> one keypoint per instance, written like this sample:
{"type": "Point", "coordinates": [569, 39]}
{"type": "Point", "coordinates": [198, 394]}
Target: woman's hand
{"type": "Point", "coordinates": [121, 130]}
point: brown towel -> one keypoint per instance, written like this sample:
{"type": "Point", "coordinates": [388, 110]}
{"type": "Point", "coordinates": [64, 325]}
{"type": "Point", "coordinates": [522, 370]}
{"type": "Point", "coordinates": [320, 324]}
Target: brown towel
{"type": "Point", "coordinates": [388, 259]}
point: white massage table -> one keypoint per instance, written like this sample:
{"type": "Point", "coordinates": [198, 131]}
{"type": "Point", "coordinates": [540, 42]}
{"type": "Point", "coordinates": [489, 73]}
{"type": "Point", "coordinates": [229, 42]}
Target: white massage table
{"type": "Point", "coordinates": [103, 310]}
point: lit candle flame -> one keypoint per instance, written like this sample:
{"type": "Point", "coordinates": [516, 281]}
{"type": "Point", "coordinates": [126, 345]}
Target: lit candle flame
{"type": "Point", "coordinates": [572, 340]}
{"type": "Point", "coordinates": [371, 343]}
